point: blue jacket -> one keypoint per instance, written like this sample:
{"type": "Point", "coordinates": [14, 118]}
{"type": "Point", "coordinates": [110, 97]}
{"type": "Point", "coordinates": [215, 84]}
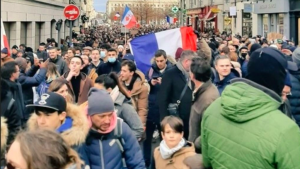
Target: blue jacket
{"type": "Point", "coordinates": [74, 130]}
{"type": "Point", "coordinates": [153, 111]}
{"type": "Point", "coordinates": [295, 97]}
{"type": "Point", "coordinates": [104, 152]}
{"type": "Point", "coordinates": [244, 69]}
{"type": "Point", "coordinates": [223, 83]}
{"type": "Point", "coordinates": [28, 80]}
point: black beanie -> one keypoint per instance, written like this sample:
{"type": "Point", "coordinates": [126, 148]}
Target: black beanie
{"type": "Point", "coordinates": [267, 68]}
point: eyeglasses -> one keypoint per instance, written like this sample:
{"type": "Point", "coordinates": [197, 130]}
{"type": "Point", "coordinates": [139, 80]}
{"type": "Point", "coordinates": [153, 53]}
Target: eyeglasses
{"type": "Point", "coordinates": [286, 93]}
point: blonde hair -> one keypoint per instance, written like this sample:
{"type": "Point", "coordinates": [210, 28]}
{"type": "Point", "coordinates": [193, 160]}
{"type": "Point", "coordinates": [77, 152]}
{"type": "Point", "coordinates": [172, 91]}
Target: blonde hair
{"type": "Point", "coordinates": [57, 84]}
{"type": "Point", "coordinates": [233, 56]}
{"type": "Point", "coordinates": [46, 149]}
{"type": "Point", "coordinates": [52, 72]}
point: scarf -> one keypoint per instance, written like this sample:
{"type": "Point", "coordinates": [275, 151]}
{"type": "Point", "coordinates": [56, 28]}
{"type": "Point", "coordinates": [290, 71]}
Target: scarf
{"type": "Point", "coordinates": [185, 73]}
{"type": "Point", "coordinates": [66, 125]}
{"type": "Point", "coordinates": [112, 126]}
{"type": "Point", "coordinates": [115, 93]}
{"type": "Point", "coordinates": [166, 152]}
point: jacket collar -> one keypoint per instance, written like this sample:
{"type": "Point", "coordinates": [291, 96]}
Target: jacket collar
{"type": "Point", "coordinates": [202, 89]}
{"type": "Point", "coordinates": [260, 87]}
{"type": "Point", "coordinates": [76, 135]}
{"type": "Point", "coordinates": [225, 80]}
{"type": "Point", "coordinates": [137, 86]}
{"type": "Point", "coordinates": [155, 68]}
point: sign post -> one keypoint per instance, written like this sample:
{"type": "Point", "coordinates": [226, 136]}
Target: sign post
{"type": "Point", "coordinates": [232, 11]}
{"type": "Point", "coordinates": [71, 12]}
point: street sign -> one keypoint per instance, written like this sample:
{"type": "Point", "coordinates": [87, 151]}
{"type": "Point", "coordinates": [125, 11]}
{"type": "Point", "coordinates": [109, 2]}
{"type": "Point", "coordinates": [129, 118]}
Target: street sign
{"type": "Point", "coordinates": [71, 12]}
{"type": "Point", "coordinates": [175, 9]}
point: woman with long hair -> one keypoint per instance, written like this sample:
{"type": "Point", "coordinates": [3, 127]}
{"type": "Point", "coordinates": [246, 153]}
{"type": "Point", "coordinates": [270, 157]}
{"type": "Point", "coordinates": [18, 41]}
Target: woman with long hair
{"type": "Point", "coordinates": [41, 149]}
{"type": "Point", "coordinates": [60, 86]}
{"type": "Point", "coordinates": [52, 74]}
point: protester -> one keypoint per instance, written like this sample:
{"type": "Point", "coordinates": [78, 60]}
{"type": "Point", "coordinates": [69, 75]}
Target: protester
{"type": "Point", "coordinates": [52, 112]}
{"type": "Point", "coordinates": [61, 65]}
{"type": "Point", "coordinates": [10, 111]}
{"type": "Point", "coordinates": [14, 51]}
{"type": "Point", "coordinates": [103, 52]}
{"type": "Point", "coordinates": [223, 73]}
{"type": "Point", "coordinates": [252, 125]}
{"type": "Point", "coordinates": [120, 148]}
{"type": "Point", "coordinates": [28, 79]}
{"type": "Point", "coordinates": [122, 102]}
{"type": "Point", "coordinates": [96, 62]}
{"type": "Point", "coordinates": [294, 97]}
{"type": "Point", "coordinates": [138, 88]}
{"type": "Point", "coordinates": [10, 73]}
{"type": "Point", "coordinates": [173, 83]}
{"type": "Point", "coordinates": [79, 84]}
{"type": "Point", "coordinates": [41, 52]}
{"type": "Point", "coordinates": [113, 64]}
{"type": "Point", "coordinates": [60, 86]}
{"type": "Point", "coordinates": [4, 56]}
{"type": "Point", "coordinates": [173, 149]}
{"type": "Point", "coordinates": [90, 72]}
{"type": "Point", "coordinates": [160, 64]}
{"type": "Point", "coordinates": [203, 95]}
{"type": "Point", "coordinates": [41, 149]}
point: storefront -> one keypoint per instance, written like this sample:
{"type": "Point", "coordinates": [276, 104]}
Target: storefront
{"type": "Point", "coordinates": [295, 21]}
{"type": "Point", "coordinates": [193, 17]}
{"type": "Point", "coordinates": [273, 16]}
{"type": "Point", "coordinates": [209, 18]}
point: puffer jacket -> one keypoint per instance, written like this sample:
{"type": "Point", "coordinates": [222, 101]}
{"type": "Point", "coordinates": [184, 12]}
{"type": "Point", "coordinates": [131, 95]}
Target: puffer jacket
{"type": "Point", "coordinates": [252, 133]}
{"type": "Point", "coordinates": [126, 111]}
{"type": "Point", "coordinates": [74, 136]}
{"type": "Point", "coordinates": [295, 97]}
{"type": "Point", "coordinates": [153, 112]}
{"type": "Point", "coordinates": [104, 152]}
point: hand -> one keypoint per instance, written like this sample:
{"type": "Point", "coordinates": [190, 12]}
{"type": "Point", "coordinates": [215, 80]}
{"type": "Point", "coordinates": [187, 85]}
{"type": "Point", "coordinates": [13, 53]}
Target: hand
{"type": "Point", "coordinates": [287, 52]}
{"type": "Point", "coordinates": [44, 64]}
{"type": "Point", "coordinates": [154, 82]}
{"type": "Point", "coordinates": [70, 75]}
{"type": "Point", "coordinates": [159, 80]}
{"type": "Point", "coordinates": [36, 62]}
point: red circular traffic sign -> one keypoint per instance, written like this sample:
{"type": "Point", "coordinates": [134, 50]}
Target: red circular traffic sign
{"type": "Point", "coordinates": [71, 12]}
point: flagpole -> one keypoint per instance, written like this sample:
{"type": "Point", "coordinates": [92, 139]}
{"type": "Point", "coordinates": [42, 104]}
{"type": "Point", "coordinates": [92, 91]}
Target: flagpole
{"type": "Point", "coordinates": [125, 36]}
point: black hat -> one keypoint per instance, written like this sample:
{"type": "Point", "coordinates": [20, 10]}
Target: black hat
{"type": "Point", "coordinates": [51, 100]}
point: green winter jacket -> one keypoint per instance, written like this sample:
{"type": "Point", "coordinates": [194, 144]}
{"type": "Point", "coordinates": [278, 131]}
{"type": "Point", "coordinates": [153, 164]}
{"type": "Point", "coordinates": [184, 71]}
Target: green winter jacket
{"type": "Point", "coordinates": [244, 129]}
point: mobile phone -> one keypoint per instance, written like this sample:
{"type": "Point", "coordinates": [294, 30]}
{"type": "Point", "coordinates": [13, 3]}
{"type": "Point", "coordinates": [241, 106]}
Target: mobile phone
{"type": "Point", "coordinates": [155, 77]}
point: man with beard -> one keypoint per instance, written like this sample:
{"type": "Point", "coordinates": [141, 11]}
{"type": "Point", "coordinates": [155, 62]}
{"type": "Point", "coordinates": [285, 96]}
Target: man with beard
{"type": "Point", "coordinates": [61, 65]}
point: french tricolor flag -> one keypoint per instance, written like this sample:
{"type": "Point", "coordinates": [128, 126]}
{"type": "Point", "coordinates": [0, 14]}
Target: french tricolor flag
{"type": "Point", "coordinates": [171, 20]}
{"type": "Point", "coordinates": [4, 41]}
{"type": "Point", "coordinates": [143, 48]}
{"type": "Point", "coordinates": [128, 19]}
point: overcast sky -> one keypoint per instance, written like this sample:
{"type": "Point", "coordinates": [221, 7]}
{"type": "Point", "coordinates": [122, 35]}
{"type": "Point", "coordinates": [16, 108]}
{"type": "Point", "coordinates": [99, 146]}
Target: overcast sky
{"type": "Point", "coordinates": [100, 5]}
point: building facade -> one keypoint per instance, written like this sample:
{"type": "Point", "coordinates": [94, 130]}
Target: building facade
{"type": "Point", "coordinates": [273, 16]}
{"type": "Point", "coordinates": [295, 21]}
{"type": "Point", "coordinates": [32, 22]}
{"type": "Point", "coordinates": [146, 12]}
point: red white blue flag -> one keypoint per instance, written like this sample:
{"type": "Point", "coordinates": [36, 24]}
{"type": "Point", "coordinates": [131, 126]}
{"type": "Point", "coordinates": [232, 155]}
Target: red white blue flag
{"type": "Point", "coordinates": [128, 19]}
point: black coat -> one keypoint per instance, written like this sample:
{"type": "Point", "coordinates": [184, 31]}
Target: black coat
{"type": "Point", "coordinates": [42, 55]}
{"type": "Point", "coordinates": [12, 115]}
{"type": "Point", "coordinates": [173, 83]}
{"type": "Point", "coordinates": [108, 67]}
{"type": "Point", "coordinates": [295, 97]}
{"type": "Point", "coordinates": [153, 109]}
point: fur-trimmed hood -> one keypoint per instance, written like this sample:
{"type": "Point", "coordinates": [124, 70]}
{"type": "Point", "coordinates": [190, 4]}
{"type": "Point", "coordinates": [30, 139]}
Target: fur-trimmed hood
{"type": "Point", "coordinates": [77, 133]}
{"type": "Point", "coordinates": [4, 133]}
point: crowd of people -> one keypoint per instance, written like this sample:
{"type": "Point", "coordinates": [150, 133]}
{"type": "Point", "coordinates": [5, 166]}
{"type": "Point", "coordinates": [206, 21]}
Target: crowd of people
{"type": "Point", "coordinates": [233, 103]}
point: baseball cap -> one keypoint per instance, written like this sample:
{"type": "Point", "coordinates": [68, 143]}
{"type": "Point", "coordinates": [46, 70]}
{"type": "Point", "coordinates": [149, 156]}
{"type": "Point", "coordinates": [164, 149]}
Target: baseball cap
{"type": "Point", "coordinates": [279, 41]}
{"type": "Point", "coordinates": [128, 57]}
{"type": "Point", "coordinates": [52, 101]}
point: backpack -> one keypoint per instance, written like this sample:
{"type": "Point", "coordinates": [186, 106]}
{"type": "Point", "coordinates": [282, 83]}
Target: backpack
{"type": "Point", "coordinates": [119, 140]}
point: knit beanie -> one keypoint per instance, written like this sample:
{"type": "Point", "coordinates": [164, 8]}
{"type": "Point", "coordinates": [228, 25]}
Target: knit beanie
{"type": "Point", "coordinates": [254, 47]}
{"type": "Point", "coordinates": [99, 101]}
{"type": "Point", "coordinates": [267, 67]}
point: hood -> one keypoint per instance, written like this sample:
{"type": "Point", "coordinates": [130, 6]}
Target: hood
{"type": "Point", "coordinates": [4, 133]}
{"type": "Point", "coordinates": [245, 100]}
{"type": "Point", "coordinates": [137, 86]}
{"type": "Point", "coordinates": [76, 135]}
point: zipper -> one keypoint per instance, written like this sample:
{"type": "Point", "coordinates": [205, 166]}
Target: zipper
{"type": "Point", "coordinates": [101, 153]}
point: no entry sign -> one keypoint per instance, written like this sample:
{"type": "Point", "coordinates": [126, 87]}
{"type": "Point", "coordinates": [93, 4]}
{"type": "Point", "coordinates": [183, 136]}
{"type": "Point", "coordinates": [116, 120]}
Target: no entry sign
{"type": "Point", "coordinates": [71, 12]}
